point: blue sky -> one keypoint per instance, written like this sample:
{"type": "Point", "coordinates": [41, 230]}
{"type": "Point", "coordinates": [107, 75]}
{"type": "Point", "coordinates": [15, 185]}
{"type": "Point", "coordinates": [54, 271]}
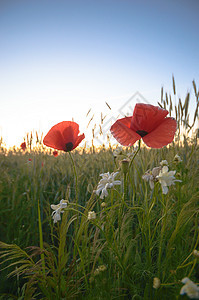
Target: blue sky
{"type": "Point", "coordinates": [61, 58]}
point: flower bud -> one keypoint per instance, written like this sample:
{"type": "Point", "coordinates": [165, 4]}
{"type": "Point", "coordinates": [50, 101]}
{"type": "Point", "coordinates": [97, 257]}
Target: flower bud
{"type": "Point", "coordinates": [103, 204]}
{"type": "Point", "coordinates": [196, 253]}
{"type": "Point", "coordinates": [164, 163]}
{"type": "Point", "coordinates": [91, 215]}
{"type": "Point", "coordinates": [124, 165]}
{"type": "Point", "coordinates": [177, 159]}
{"type": "Point", "coordinates": [156, 283]}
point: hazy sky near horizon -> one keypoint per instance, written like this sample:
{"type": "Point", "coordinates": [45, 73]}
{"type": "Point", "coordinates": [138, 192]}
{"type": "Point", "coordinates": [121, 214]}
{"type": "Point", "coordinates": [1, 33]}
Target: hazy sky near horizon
{"type": "Point", "coordinates": [60, 58]}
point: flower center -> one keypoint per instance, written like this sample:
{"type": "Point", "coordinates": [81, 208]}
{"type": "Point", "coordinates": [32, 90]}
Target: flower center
{"type": "Point", "coordinates": [142, 133]}
{"type": "Point", "coordinates": [69, 147]}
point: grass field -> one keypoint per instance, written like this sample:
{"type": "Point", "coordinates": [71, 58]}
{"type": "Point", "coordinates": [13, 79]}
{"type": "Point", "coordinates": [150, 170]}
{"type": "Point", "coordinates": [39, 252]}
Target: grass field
{"type": "Point", "coordinates": [109, 248]}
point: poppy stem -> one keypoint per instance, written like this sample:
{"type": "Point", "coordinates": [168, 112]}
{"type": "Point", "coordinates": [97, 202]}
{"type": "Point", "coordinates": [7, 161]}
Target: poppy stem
{"type": "Point", "coordinates": [131, 162]}
{"type": "Point", "coordinates": [139, 143]}
{"type": "Point", "coordinates": [76, 193]}
{"type": "Point", "coordinates": [75, 173]}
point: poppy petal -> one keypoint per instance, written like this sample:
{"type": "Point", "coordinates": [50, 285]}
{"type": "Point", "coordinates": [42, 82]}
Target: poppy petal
{"type": "Point", "coordinates": [70, 130]}
{"type": "Point", "coordinates": [54, 139]}
{"type": "Point", "coordinates": [162, 135]}
{"type": "Point", "coordinates": [122, 132]}
{"type": "Point", "coordinates": [69, 135]}
{"type": "Point", "coordinates": [78, 140]}
{"type": "Point", "coordinates": [147, 117]}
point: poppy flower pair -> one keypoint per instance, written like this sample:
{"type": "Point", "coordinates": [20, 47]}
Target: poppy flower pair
{"type": "Point", "coordinates": [148, 122]}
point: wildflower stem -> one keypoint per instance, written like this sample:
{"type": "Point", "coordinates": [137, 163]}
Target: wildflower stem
{"type": "Point", "coordinates": [162, 233]}
{"type": "Point", "coordinates": [185, 265]}
{"type": "Point", "coordinates": [194, 263]}
{"type": "Point", "coordinates": [41, 238]}
{"type": "Point", "coordinates": [125, 188]}
{"type": "Point", "coordinates": [197, 240]}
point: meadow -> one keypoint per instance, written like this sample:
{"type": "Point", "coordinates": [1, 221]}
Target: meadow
{"type": "Point", "coordinates": [138, 242]}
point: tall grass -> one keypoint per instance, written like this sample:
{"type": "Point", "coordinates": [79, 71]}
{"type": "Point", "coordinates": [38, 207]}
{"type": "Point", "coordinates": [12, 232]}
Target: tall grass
{"type": "Point", "coordinates": [139, 233]}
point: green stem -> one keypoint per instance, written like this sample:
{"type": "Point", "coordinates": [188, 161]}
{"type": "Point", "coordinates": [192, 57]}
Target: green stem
{"type": "Point", "coordinates": [194, 264]}
{"type": "Point", "coordinates": [162, 234]}
{"type": "Point", "coordinates": [76, 224]}
{"type": "Point", "coordinates": [41, 238]}
{"type": "Point", "coordinates": [139, 143]}
{"type": "Point", "coordinates": [75, 173]}
{"type": "Point", "coordinates": [125, 190]}
{"type": "Point", "coordinates": [131, 162]}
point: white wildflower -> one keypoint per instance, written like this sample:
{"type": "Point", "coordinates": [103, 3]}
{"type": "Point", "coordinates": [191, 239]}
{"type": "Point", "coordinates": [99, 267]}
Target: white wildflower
{"type": "Point", "coordinates": [177, 158]}
{"type": "Point", "coordinates": [107, 182]}
{"type": "Point", "coordinates": [58, 209]}
{"type": "Point", "coordinates": [164, 163]}
{"type": "Point", "coordinates": [150, 176]}
{"type": "Point", "coordinates": [190, 289]}
{"type": "Point", "coordinates": [166, 179]}
{"type": "Point", "coordinates": [91, 215]}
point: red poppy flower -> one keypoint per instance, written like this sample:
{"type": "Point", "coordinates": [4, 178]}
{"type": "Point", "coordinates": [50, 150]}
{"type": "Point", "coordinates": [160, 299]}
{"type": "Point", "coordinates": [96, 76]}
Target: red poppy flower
{"type": "Point", "coordinates": [23, 146]}
{"type": "Point", "coordinates": [149, 123]}
{"type": "Point", "coordinates": [55, 153]}
{"type": "Point", "coordinates": [64, 136]}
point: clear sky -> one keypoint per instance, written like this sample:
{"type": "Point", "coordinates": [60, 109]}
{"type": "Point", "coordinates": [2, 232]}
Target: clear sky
{"type": "Point", "coordinates": [59, 58]}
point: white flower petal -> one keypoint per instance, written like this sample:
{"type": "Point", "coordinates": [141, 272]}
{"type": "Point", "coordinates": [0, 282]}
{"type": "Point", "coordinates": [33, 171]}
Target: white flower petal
{"type": "Point", "coordinates": [63, 203]}
{"type": "Point", "coordinates": [56, 216]}
{"type": "Point", "coordinates": [183, 290]}
{"type": "Point", "coordinates": [164, 163]}
{"type": "Point", "coordinates": [117, 182]}
{"type": "Point", "coordinates": [165, 190]}
{"type": "Point", "coordinates": [113, 175]}
{"type": "Point", "coordinates": [155, 172]}
{"type": "Point", "coordinates": [97, 191]}
{"type": "Point", "coordinates": [185, 280]}
{"type": "Point", "coordinates": [190, 289]}
{"type": "Point", "coordinates": [151, 183]}
{"type": "Point", "coordinates": [55, 206]}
